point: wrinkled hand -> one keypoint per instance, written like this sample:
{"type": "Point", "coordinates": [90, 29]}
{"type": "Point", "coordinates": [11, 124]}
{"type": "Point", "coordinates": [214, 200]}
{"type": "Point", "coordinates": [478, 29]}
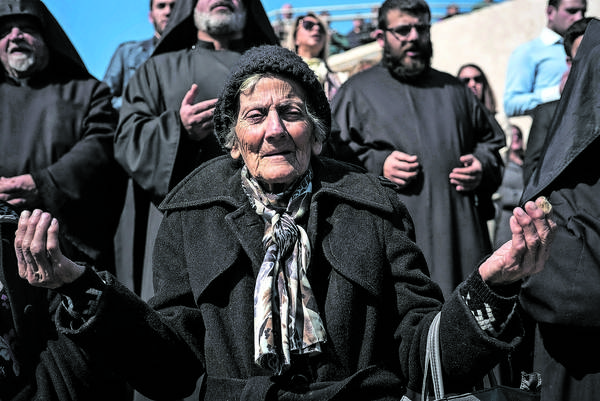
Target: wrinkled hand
{"type": "Point", "coordinates": [197, 118]}
{"type": "Point", "coordinates": [20, 191]}
{"type": "Point", "coordinates": [39, 257]}
{"type": "Point", "coordinates": [526, 253]}
{"type": "Point", "coordinates": [468, 177]}
{"type": "Point", "coordinates": [401, 168]}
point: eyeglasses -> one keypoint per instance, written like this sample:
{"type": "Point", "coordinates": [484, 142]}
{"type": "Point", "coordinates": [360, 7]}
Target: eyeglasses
{"type": "Point", "coordinates": [478, 79]}
{"type": "Point", "coordinates": [404, 30]}
{"type": "Point", "coordinates": [309, 25]}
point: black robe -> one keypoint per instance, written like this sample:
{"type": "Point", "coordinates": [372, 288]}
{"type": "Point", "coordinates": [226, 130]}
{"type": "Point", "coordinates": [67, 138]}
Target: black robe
{"type": "Point", "coordinates": [564, 297]}
{"type": "Point", "coordinates": [438, 120]}
{"type": "Point", "coordinates": [58, 125]}
{"type": "Point", "coordinates": [151, 143]}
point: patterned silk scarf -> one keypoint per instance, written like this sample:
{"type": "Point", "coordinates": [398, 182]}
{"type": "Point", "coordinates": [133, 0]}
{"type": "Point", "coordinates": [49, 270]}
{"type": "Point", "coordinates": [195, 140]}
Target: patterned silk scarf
{"type": "Point", "coordinates": [286, 318]}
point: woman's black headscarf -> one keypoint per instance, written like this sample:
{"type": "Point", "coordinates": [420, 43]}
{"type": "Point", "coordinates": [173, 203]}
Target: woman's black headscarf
{"type": "Point", "coordinates": [181, 33]}
{"type": "Point", "coordinates": [576, 122]}
{"type": "Point", "coordinates": [62, 50]}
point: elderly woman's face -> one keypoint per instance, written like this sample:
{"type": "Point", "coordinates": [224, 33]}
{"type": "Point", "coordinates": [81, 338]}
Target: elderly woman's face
{"type": "Point", "coordinates": [274, 134]}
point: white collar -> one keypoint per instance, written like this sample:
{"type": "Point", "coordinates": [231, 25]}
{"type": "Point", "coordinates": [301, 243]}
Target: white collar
{"type": "Point", "coordinates": [549, 37]}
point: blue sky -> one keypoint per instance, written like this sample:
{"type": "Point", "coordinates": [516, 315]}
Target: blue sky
{"type": "Point", "coordinates": [97, 27]}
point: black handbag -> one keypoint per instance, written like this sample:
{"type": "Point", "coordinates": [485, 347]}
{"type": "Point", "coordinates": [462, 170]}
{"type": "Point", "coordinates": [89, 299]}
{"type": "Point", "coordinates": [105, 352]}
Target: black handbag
{"type": "Point", "coordinates": [494, 392]}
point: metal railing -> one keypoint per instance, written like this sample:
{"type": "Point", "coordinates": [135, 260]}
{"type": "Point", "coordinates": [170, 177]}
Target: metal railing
{"type": "Point", "coordinates": [366, 11]}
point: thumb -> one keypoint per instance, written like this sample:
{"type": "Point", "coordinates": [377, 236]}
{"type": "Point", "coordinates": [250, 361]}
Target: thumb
{"type": "Point", "coordinates": [190, 95]}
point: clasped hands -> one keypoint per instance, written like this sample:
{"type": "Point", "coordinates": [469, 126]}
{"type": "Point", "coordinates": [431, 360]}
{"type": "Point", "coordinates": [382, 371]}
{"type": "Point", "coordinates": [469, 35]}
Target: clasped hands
{"type": "Point", "coordinates": [403, 168]}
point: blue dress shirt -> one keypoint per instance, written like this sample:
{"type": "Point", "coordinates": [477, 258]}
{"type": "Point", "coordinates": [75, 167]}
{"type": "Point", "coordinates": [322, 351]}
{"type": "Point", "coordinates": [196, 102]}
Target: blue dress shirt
{"type": "Point", "coordinates": [534, 73]}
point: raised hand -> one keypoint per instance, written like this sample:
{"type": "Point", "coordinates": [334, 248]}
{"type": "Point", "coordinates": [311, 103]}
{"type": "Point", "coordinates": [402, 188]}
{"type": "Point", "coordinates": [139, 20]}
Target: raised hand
{"type": "Point", "coordinates": [40, 260]}
{"type": "Point", "coordinates": [526, 253]}
{"type": "Point", "coordinates": [197, 118]}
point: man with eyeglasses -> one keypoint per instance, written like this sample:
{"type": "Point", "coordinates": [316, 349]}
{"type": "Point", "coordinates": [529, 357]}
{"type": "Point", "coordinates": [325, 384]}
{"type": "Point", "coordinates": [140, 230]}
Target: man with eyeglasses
{"type": "Point", "coordinates": [536, 68]}
{"type": "Point", "coordinates": [425, 131]}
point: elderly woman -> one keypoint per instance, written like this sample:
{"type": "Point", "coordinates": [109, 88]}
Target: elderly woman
{"type": "Point", "coordinates": [283, 276]}
{"type": "Point", "coordinates": [310, 40]}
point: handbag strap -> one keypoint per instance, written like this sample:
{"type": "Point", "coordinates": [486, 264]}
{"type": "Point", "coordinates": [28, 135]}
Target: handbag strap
{"type": "Point", "coordinates": [433, 361]}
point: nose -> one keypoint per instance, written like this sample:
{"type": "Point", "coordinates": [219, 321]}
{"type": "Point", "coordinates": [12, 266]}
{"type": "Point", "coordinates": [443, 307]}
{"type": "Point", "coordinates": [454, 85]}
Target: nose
{"type": "Point", "coordinates": [274, 126]}
{"type": "Point", "coordinates": [15, 33]}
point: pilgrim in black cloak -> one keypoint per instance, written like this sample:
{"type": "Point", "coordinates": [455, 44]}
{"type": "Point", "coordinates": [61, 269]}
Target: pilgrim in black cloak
{"type": "Point", "coordinates": [437, 118]}
{"type": "Point", "coordinates": [564, 297]}
{"type": "Point", "coordinates": [151, 142]}
{"type": "Point", "coordinates": [58, 125]}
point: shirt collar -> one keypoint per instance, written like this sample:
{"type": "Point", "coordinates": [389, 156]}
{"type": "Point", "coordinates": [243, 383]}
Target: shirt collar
{"type": "Point", "coordinates": [549, 37]}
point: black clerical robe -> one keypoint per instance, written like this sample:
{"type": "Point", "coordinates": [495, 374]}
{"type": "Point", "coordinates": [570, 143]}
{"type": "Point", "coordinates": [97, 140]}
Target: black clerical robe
{"type": "Point", "coordinates": [438, 120]}
{"type": "Point", "coordinates": [151, 142]}
{"type": "Point", "coordinates": [59, 129]}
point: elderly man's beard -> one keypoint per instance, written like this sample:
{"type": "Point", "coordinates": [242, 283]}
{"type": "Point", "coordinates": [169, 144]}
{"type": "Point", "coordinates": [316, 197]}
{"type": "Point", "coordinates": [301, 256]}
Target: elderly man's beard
{"type": "Point", "coordinates": [220, 24]}
{"type": "Point", "coordinates": [404, 71]}
{"type": "Point", "coordinates": [21, 62]}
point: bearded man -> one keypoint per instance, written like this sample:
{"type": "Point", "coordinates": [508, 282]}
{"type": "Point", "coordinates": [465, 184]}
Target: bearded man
{"type": "Point", "coordinates": [56, 132]}
{"type": "Point", "coordinates": [425, 131]}
{"type": "Point", "coordinates": [165, 125]}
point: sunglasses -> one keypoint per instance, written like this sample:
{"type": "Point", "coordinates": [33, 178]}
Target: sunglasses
{"type": "Point", "coordinates": [478, 79]}
{"type": "Point", "coordinates": [404, 30]}
{"type": "Point", "coordinates": [309, 25]}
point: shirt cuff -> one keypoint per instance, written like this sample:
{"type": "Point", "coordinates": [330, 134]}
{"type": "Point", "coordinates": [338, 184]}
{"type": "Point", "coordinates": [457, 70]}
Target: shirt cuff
{"type": "Point", "coordinates": [550, 94]}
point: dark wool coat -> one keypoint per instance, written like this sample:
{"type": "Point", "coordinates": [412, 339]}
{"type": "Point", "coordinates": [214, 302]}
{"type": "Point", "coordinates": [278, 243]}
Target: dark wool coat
{"type": "Point", "coordinates": [369, 278]}
{"type": "Point", "coordinates": [52, 367]}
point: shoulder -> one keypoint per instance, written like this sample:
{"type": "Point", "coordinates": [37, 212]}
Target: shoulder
{"type": "Point", "coordinates": [371, 81]}
{"type": "Point", "coordinates": [364, 77]}
{"type": "Point", "coordinates": [349, 183]}
{"type": "Point", "coordinates": [442, 76]}
{"type": "Point", "coordinates": [130, 45]}
{"type": "Point", "coordinates": [211, 181]}
{"type": "Point", "coordinates": [523, 51]}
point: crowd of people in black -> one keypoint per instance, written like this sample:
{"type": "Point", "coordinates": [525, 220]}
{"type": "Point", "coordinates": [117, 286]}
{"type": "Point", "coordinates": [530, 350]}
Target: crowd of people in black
{"type": "Point", "coordinates": [223, 217]}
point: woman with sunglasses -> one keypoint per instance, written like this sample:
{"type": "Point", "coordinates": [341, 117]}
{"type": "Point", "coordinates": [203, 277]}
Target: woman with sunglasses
{"type": "Point", "coordinates": [310, 40]}
{"type": "Point", "coordinates": [472, 75]}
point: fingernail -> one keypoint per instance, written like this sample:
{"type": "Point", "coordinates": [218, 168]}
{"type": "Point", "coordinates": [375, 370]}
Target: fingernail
{"type": "Point", "coordinates": [36, 212]}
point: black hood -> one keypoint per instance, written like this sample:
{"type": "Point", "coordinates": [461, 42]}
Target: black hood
{"type": "Point", "coordinates": [61, 49]}
{"type": "Point", "coordinates": [576, 122]}
{"type": "Point", "coordinates": [181, 33]}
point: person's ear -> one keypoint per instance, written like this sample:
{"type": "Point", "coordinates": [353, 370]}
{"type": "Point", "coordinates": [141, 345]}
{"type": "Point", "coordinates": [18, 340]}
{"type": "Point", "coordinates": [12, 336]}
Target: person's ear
{"type": "Point", "coordinates": [317, 147]}
{"type": "Point", "coordinates": [235, 152]}
{"type": "Point", "coordinates": [379, 36]}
